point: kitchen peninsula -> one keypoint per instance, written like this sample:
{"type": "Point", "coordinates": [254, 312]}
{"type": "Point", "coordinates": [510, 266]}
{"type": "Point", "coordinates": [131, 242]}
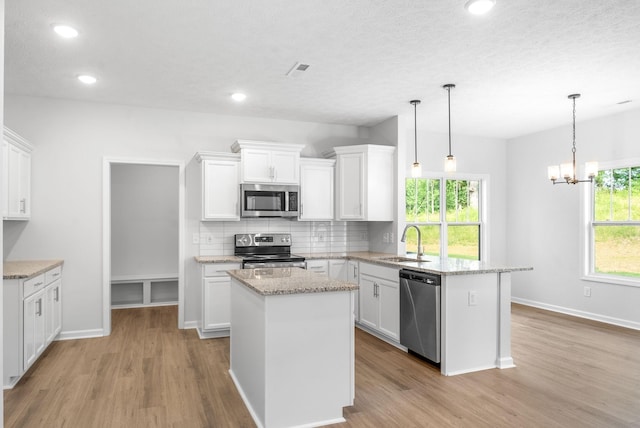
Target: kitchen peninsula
{"type": "Point", "coordinates": [292, 345]}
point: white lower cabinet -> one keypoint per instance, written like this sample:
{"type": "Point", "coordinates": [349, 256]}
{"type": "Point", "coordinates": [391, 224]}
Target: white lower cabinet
{"type": "Point", "coordinates": [32, 319]}
{"type": "Point", "coordinates": [216, 301]}
{"type": "Point", "coordinates": [320, 267]}
{"type": "Point", "coordinates": [380, 299]}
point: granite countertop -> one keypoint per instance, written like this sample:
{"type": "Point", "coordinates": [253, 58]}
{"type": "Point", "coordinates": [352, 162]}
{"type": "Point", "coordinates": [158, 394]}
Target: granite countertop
{"type": "Point", "coordinates": [218, 259]}
{"type": "Point", "coordinates": [430, 264]}
{"type": "Point", "coordinates": [21, 269]}
{"type": "Point", "coordinates": [279, 281]}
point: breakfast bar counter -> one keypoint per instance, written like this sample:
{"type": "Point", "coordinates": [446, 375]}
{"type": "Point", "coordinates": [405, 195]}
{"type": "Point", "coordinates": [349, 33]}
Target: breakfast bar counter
{"type": "Point", "coordinates": [292, 345]}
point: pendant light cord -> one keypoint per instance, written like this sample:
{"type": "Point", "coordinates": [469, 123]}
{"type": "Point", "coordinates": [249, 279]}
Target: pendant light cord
{"type": "Point", "coordinates": [449, 103]}
{"type": "Point", "coordinates": [415, 130]}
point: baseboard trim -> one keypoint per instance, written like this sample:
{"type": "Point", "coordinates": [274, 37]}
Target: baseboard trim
{"type": "Point", "coordinates": [80, 334]}
{"type": "Point", "coordinates": [576, 313]}
{"type": "Point", "coordinates": [191, 324]}
{"type": "Point", "coordinates": [381, 337]}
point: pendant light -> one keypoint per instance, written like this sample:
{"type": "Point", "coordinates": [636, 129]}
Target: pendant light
{"type": "Point", "coordinates": [450, 160]}
{"type": "Point", "coordinates": [416, 169]}
{"type": "Point", "coordinates": [568, 169]}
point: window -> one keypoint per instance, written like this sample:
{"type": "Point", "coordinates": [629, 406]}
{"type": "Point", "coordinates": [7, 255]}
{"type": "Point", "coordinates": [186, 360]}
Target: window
{"type": "Point", "coordinates": [455, 231]}
{"type": "Point", "coordinates": [615, 223]}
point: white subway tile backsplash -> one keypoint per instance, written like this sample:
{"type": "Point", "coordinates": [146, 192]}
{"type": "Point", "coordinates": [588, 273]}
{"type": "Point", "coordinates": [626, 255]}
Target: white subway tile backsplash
{"type": "Point", "coordinates": [217, 238]}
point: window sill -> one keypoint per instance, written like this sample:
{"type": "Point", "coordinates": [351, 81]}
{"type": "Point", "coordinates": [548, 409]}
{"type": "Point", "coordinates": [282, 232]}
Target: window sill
{"type": "Point", "coordinates": [609, 279]}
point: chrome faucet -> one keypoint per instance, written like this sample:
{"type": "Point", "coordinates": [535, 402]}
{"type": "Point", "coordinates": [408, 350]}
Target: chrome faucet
{"type": "Point", "coordinates": [404, 238]}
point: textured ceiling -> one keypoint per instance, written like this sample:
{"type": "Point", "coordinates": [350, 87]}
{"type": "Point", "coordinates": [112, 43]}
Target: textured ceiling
{"type": "Point", "coordinates": [513, 67]}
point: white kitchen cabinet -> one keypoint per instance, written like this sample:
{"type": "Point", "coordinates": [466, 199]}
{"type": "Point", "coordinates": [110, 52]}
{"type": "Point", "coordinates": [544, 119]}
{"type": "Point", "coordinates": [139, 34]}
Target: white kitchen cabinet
{"type": "Point", "coordinates": [32, 319]}
{"type": "Point", "coordinates": [213, 182]}
{"type": "Point", "coordinates": [380, 300]}
{"type": "Point", "coordinates": [53, 310]}
{"type": "Point", "coordinates": [216, 303]}
{"type": "Point", "coordinates": [319, 267]}
{"type": "Point", "coordinates": [16, 200]}
{"type": "Point", "coordinates": [267, 162]}
{"type": "Point", "coordinates": [316, 189]}
{"type": "Point", "coordinates": [352, 276]}
{"type": "Point", "coordinates": [34, 327]}
{"type": "Point", "coordinates": [365, 182]}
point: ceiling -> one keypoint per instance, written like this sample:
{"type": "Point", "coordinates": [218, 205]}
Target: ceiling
{"type": "Point", "coordinates": [513, 67]}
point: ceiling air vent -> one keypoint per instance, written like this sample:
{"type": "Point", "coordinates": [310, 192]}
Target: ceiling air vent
{"type": "Point", "coordinates": [297, 69]}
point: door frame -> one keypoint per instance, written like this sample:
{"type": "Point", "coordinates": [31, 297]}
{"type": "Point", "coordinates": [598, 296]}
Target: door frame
{"type": "Point", "coordinates": [106, 233]}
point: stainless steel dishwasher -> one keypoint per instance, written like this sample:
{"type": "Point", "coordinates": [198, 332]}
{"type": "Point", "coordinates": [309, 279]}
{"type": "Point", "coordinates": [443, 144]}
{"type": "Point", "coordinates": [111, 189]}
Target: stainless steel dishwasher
{"type": "Point", "coordinates": [420, 313]}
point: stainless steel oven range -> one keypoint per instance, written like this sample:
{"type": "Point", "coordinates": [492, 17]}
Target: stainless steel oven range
{"type": "Point", "coordinates": [266, 250]}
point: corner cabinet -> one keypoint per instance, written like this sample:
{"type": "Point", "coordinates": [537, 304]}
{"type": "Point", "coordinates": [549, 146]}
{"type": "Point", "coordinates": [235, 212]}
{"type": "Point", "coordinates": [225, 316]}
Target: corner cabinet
{"type": "Point", "coordinates": [16, 170]}
{"type": "Point", "coordinates": [216, 301]}
{"type": "Point", "coordinates": [380, 300]}
{"type": "Point", "coordinates": [32, 320]}
{"type": "Point", "coordinates": [213, 181]}
{"type": "Point", "coordinates": [316, 189]}
{"type": "Point", "coordinates": [268, 162]}
{"type": "Point", "coordinates": [365, 182]}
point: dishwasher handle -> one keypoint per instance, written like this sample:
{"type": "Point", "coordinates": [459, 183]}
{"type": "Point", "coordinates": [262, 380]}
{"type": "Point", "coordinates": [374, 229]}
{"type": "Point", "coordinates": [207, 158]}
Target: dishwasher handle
{"type": "Point", "coordinates": [424, 277]}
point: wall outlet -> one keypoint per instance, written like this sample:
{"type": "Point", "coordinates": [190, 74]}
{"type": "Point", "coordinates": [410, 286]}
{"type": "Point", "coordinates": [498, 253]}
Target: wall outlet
{"type": "Point", "coordinates": [207, 238]}
{"type": "Point", "coordinates": [385, 238]}
{"type": "Point", "coordinates": [587, 291]}
{"type": "Point", "coordinates": [473, 298]}
{"type": "Point", "coordinates": [196, 238]}
{"type": "Point", "coordinates": [391, 238]}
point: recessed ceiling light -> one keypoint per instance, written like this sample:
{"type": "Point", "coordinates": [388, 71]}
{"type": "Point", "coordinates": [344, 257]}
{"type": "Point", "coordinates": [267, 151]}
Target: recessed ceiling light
{"type": "Point", "coordinates": [87, 80]}
{"type": "Point", "coordinates": [479, 7]}
{"type": "Point", "coordinates": [238, 96]}
{"type": "Point", "coordinates": [65, 31]}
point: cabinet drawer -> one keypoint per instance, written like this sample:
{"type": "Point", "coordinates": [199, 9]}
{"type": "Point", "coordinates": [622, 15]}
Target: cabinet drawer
{"type": "Point", "coordinates": [218, 269]}
{"type": "Point", "coordinates": [32, 285]}
{"type": "Point", "coordinates": [390, 274]}
{"type": "Point", "coordinates": [52, 275]}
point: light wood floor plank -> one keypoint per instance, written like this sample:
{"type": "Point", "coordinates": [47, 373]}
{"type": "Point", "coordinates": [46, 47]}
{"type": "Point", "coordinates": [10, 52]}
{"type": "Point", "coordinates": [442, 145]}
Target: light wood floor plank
{"type": "Point", "coordinates": [570, 372]}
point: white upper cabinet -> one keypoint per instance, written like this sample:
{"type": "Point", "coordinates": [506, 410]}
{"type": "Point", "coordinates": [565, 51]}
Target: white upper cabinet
{"type": "Point", "coordinates": [266, 162]}
{"type": "Point", "coordinates": [316, 189]}
{"type": "Point", "coordinates": [214, 180]}
{"type": "Point", "coordinates": [365, 182]}
{"type": "Point", "coordinates": [16, 155]}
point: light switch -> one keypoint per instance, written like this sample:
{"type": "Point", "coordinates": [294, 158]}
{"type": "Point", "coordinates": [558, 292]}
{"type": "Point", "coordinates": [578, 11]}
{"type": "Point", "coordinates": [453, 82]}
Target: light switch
{"type": "Point", "coordinates": [196, 238]}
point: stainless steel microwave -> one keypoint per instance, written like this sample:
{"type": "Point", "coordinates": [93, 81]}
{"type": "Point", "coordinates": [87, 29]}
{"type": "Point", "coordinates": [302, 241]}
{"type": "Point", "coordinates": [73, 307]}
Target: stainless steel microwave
{"type": "Point", "coordinates": [269, 200]}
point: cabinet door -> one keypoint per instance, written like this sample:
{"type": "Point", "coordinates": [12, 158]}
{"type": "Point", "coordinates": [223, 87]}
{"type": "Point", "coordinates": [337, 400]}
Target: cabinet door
{"type": "Point", "coordinates": [256, 166]}
{"type": "Point", "coordinates": [338, 269]}
{"type": "Point", "coordinates": [316, 192]}
{"type": "Point", "coordinates": [369, 307]}
{"type": "Point", "coordinates": [389, 308]}
{"type": "Point", "coordinates": [352, 277]}
{"type": "Point", "coordinates": [221, 190]}
{"type": "Point", "coordinates": [52, 311]}
{"type": "Point", "coordinates": [318, 266]}
{"type": "Point", "coordinates": [285, 167]}
{"type": "Point", "coordinates": [18, 183]}
{"type": "Point", "coordinates": [217, 303]}
{"type": "Point", "coordinates": [5, 179]}
{"type": "Point", "coordinates": [34, 325]}
{"type": "Point", "coordinates": [351, 186]}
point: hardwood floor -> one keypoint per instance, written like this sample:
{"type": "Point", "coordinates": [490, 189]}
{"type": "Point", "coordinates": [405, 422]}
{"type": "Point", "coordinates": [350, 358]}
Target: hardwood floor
{"type": "Point", "coordinates": [570, 373]}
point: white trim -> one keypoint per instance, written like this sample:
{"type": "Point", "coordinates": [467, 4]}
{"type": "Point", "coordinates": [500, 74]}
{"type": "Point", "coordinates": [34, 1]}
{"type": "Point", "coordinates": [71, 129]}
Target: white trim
{"type": "Point", "coordinates": [213, 334]}
{"type": "Point", "coordinates": [381, 336]}
{"type": "Point", "coordinates": [81, 334]}
{"type": "Point", "coordinates": [610, 279]}
{"type": "Point", "coordinates": [580, 314]}
{"type": "Point", "coordinates": [190, 324]}
{"type": "Point", "coordinates": [106, 233]}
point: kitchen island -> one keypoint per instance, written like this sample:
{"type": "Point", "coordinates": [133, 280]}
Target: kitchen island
{"type": "Point", "coordinates": [292, 345]}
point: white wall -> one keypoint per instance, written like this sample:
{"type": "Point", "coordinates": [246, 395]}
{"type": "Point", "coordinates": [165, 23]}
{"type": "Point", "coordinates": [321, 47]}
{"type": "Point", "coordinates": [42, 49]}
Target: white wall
{"type": "Point", "coordinates": [71, 138]}
{"type": "Point", "coordinates": [544, 220]}
{"type": "Point", "coordinates": [474, 155]}
{"type": "Point", "coordinates": [144, 219]}
{"type": "Point", "coordinates": [1, 194]}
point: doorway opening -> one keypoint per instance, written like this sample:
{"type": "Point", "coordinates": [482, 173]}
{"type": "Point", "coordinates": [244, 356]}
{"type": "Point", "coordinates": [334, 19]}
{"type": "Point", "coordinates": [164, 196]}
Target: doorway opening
{"type": "Point", "coordinates": [143, 227]}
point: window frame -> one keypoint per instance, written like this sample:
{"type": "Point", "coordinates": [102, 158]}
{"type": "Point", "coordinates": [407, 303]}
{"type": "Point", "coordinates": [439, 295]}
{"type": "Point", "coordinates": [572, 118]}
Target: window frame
{"type": "Point", "coordinates": [482, 223]}
{"type": "Point", "coordinates": [588, 231]}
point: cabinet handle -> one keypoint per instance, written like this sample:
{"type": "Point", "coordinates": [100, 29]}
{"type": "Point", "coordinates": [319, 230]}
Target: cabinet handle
{"type": "Point", "coordinates": [23, 205]}
{"type": "Point", "coordinates": [39, 307]}
{"type": "Point", "coordinates": [301, 209]}
{"type": "Point", "coordinates": [57, 297]}
{"type": "Point", "coordinates": [355, 271]}
{"type": "Point", "coordinates": [38, 284]}
{"type": "Point", "coordinates": [56, 274]}
{"type": "Point", "coordinates": [360, 209]}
